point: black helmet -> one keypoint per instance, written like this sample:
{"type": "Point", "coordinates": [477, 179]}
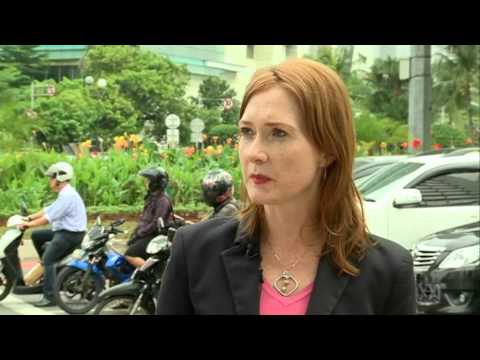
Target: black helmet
{"type": "Point", "coordinates": [214, 184]}
{"type": "Point", "coordinates": [158, 177]}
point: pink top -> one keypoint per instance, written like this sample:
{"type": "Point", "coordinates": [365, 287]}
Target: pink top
{"type": "Point", "coordinates": [272, 303]}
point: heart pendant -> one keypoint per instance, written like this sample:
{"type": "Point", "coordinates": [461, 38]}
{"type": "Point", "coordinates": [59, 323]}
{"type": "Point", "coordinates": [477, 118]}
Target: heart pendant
{"type": "Point", "coordinates": [283, 282]}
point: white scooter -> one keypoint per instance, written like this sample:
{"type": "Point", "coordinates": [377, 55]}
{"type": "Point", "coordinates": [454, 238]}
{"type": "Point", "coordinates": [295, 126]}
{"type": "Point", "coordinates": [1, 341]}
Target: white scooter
{"type": "Point", "coordinates": [10, 269]}
{"type": "Point", "coordinates": [9, 263]}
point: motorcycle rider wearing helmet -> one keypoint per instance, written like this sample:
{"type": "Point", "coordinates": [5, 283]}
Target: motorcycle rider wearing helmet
{"type": "Point", "coordinates": [217, 189]}
{"type": "Point", "coordinates": [157, 205]}
{"type": "Point", "coordinates": [68, 218]}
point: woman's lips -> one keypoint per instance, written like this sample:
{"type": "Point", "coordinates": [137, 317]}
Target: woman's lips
{"type": "Point", "coordinates": [260, 179]}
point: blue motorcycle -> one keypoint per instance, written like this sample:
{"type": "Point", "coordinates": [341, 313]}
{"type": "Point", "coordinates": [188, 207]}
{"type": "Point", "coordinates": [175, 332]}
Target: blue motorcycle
{"type": "Point", "coordinates": [91, 270]}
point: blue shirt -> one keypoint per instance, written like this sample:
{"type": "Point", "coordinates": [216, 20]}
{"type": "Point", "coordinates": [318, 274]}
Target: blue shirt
{"type": "Point", "coordinates": [68, 212]}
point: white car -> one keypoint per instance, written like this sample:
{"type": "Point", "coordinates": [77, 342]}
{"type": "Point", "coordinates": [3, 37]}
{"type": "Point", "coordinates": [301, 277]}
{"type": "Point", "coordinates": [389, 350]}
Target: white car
{"type": "Point", "coordinates": [422, 195]}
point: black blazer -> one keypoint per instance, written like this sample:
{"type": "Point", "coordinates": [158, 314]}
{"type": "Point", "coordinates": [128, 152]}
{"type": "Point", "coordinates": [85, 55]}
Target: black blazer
{"type": "Point", "coordinates": [215, 269]}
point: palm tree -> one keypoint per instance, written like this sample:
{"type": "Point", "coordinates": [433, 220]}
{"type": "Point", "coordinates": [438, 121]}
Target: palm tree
{"type": "Point", "coordinates": [390, 94]}
{"type": "Point", "coordinates": [338, 59]}
{"type": "Point", "coordinates": [457, 79]}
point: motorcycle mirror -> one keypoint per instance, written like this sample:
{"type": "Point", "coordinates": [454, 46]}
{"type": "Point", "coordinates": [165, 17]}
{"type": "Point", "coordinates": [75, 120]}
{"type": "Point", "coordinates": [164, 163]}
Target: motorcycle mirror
{"type": "Point", "coordinates": [118, 222]}
{"type": "Point", "coordinates": [160, 223]}
{"type": "Point", "coordinates": [23, 209]}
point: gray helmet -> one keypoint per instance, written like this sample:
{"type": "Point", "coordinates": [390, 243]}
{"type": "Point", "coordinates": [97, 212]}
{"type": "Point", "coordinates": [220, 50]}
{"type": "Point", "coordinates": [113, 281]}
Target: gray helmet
{"type": "Point", "coordinates": [216, 183]}
{"type": "Point", "coordinates": [61, 171]}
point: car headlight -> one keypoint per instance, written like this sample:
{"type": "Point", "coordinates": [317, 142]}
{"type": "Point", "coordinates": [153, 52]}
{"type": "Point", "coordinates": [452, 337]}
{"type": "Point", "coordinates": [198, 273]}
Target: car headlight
{"type": "Point", "coordinates": [462, 257]}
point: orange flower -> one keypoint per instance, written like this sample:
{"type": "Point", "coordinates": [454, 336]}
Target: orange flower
{"type": "Point", "coordinates": [209, 150]}
{"type": "Point", "coordinates": [86, 144]}
{"type": "Point", "coordinates": [189, 151]}
{"type": "Point", "coordinates": [219, 150]}
{"type": "Point", "coordinates": [120, 143]}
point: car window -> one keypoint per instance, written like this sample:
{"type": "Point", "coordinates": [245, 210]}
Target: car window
{"type": "Point", "coordinates": [387, 176]}
{"type": "Point", "coordinates": [452, 189]}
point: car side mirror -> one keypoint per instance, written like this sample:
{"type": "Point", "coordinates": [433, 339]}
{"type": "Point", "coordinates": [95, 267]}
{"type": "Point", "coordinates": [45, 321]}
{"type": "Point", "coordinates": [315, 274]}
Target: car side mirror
{"type": "Point", "coordinates": [406, 197]}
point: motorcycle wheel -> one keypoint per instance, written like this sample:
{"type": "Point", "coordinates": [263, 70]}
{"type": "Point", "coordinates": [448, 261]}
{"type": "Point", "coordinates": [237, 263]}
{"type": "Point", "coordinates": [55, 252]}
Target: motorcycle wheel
{"type": "Point", "coordinates": [6, 284]}
{"type": "Point", "coordinates": [68, 291]}
{"type": "Point", "coordinates": [120, 305]}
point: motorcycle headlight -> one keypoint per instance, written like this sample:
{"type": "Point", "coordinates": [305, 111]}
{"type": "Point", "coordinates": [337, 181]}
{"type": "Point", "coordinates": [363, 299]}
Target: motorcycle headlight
{"type": "Point", "coordinates": [469, 255]}
{"type": "Point", "coordinates": [157, 244]}
{"type": "Point", "coordinates": [87, 242]}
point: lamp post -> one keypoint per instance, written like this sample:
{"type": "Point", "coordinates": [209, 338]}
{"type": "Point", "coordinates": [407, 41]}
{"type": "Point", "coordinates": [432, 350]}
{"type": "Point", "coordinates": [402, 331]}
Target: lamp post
{"type": "Point", "coordinates": [101, 83]}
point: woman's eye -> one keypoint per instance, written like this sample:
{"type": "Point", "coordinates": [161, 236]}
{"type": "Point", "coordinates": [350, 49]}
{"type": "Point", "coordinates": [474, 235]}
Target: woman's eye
{"type": "Point", "coordinates": [279, 133]}
{"type": "Point", "coordinates": [245, 131]}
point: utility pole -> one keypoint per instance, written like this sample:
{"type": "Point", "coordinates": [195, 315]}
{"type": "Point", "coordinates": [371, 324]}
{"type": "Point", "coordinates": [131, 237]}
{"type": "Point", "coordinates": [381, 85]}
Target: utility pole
{"type": "Point", "coordinates": [420, 97]}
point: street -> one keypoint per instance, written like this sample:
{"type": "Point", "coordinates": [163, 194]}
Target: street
{"type": "Point", "coordinates": [22, 305]}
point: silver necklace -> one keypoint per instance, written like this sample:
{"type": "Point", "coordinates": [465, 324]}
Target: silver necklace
{"type": "Point", "coordinates": [286, 283]}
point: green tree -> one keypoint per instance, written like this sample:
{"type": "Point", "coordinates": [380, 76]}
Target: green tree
{"type": "Point", "coordinates": [154, 85]}
{"type": "Point", "coordinates": [456, 87]}
{"type": "Point", "coordinates": [447, 135]}
{"type": "Point", "coordinates": [224, 131]}
{"type": "Point", "coordinates": [389, 95]}
{"type": "Point", "coordinates": [9, 76]}
{"type": "Point", "coordinates": [31, 63]}
{"type": "Point", "coordinates": [15, 127]}
{"type": "Point", "coordinates": [339, 59]}
{"type": "Point", "coordinates": [213, 90]}
{"type": "Point", "coordinates": [77, 113]}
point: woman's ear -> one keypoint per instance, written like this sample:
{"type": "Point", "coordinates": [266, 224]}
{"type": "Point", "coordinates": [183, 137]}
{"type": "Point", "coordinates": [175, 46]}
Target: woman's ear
{"type": "Point", "coordinates": [325, 160]}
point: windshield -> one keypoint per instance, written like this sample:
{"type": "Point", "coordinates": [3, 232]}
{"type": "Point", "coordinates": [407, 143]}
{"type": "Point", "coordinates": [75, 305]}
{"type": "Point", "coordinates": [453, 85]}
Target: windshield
{"type": "Point", "coordinates": [387, 176]}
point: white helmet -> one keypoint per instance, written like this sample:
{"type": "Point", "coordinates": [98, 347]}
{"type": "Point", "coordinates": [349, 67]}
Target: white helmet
{"type": "Point", "coordinates": [61, 171]}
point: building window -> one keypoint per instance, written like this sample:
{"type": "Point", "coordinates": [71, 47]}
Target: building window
{"type": "Point", "coordinates": [58, 72]}
{"type": "Point", "coordinates": [250, 51]}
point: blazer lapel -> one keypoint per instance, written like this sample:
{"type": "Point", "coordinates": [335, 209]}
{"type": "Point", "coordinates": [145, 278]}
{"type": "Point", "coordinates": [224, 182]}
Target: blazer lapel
{"type": "Point", "coordinates": [328, 288]}
{"type": "Point", "coordinates": [242, 264]}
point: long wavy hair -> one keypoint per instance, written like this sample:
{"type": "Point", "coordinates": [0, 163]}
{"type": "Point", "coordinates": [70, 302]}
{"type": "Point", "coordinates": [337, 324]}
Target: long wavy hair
{"type": "Point", "coordinates": [326, 110]}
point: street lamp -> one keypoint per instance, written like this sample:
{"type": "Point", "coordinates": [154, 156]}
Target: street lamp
{"type": "Point", "coordinates": [101, 83]}
{"type": "Point", "coordinates": [89, 80]}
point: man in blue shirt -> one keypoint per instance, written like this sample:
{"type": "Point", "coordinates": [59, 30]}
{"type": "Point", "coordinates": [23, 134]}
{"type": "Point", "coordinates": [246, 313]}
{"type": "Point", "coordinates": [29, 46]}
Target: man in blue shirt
{"type": "Point", "coordinates": [68, 217]}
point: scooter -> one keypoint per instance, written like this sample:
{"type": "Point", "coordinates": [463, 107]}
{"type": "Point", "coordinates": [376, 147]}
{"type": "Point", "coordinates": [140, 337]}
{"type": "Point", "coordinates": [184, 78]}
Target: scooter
{"type": "Point", "coordinates": [11, 275]}
{"type": "Point", "coordinates": [90, 271]}
{"type": "Point", "coordinates": [10, 271]}
{"type": "Point", "coordinates": [139, 295]}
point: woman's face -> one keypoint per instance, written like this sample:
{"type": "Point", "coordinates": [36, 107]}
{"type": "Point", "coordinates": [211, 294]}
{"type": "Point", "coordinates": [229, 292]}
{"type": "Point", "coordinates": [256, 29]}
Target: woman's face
{"type": "Point", "coordinates": [279, 164]}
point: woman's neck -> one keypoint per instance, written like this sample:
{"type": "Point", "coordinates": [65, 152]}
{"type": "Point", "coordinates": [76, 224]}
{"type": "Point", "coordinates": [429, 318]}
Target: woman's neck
{"type": "Point", "coordinates": [288, 227]}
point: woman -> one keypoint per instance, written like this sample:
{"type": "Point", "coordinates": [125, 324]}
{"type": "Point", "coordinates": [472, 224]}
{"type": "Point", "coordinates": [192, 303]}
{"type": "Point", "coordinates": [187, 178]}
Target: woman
{"type": "Point", "coordinates": [157, 205]}
{"type": "Point", "coordinates": [300, 245]}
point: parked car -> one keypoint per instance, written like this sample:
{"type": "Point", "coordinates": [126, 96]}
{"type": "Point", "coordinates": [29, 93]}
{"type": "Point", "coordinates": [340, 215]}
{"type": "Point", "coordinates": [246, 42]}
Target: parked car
{"type": "Point", "coordinates": [447, 268]}
{"type": "Point", "coordinates": [366, 166]}
{"type": "Point", "coordinates": [422, 195]}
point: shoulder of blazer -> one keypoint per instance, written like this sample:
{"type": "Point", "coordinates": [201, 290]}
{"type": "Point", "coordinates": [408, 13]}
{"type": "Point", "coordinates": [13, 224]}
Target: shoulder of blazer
{"type": "Point", "coordinates": [214, 234]}
{"type": "Point", "coordinates": [387, 254]}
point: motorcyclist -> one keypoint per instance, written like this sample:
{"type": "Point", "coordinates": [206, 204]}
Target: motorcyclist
{"type": "Point", "coordinates": [157, 205]}
{"type": "Point", "coordinates": [68, 217]}
{"type": "Point", "coordinates": [217, 189]}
